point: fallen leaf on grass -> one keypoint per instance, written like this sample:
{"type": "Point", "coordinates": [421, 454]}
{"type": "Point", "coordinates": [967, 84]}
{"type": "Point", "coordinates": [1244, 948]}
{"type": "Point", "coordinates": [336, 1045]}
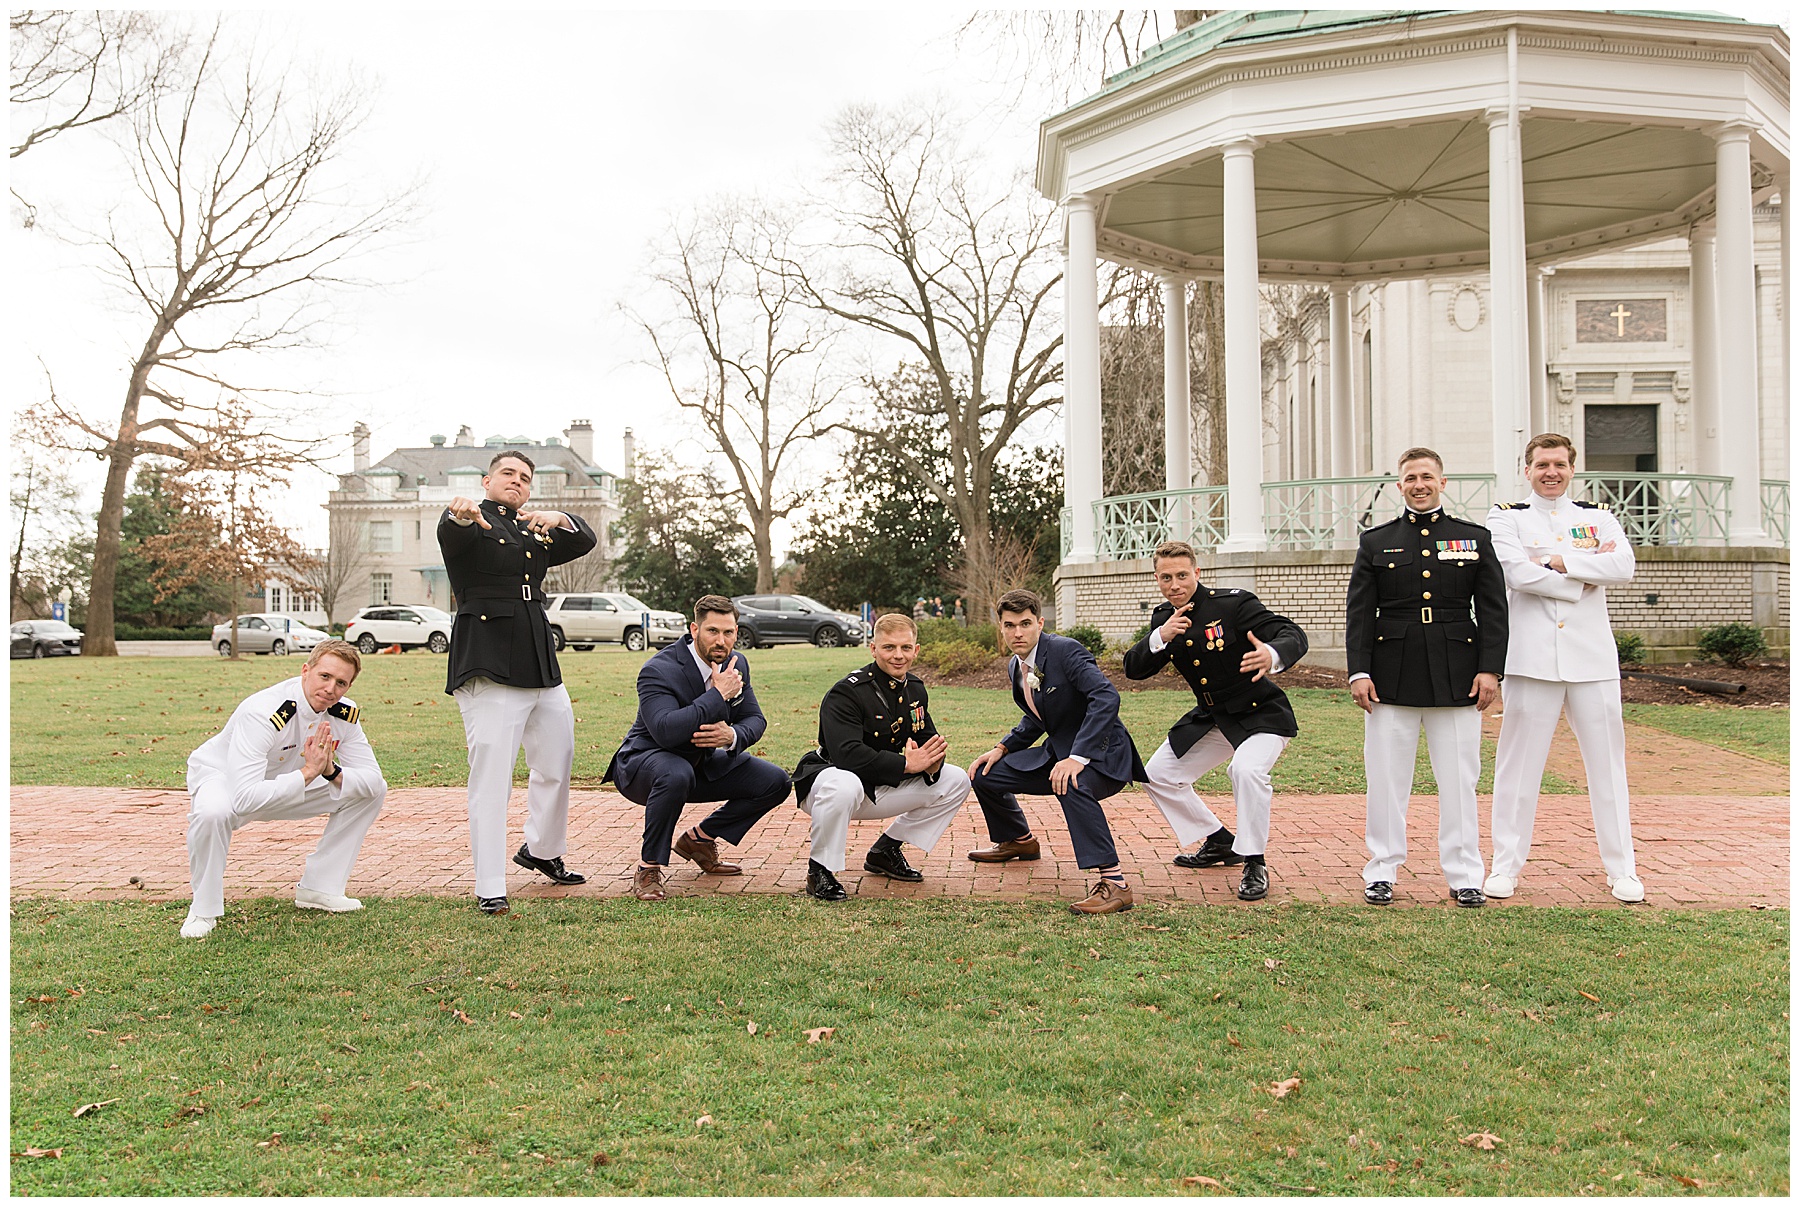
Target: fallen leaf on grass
{"type": "Point", "coordinates": [347, 1046]}
{"type": "Point", "coordinates": [460, 1017]}
{"type": "Point", "coordinates": [750, 1027]}
{"type": "Point", "coordinates": [1584, 993]}
{"type": "Point", "coordinates": [1533, 1015]}
{"type": "Point", "coordinates": [1272, 965]}
{"type": "Point", "coordinates": [1388, 1166]}
{"type": "Point", "coordinates": [1696, 1183]}
{"type": "Point", "coordinates": [186, 1112]}
{"type": "Point", "coordinates": [1202, 1180]}
{"type": "Point", "coordinates": [600, 1159]}
{"type": "Point", "coordinates": [253, 1102]}
{"type": "Point", "coordinates": [1482, 1140]}
{"type": "Point", "coordinates": [703, 1121]}
{"type": "Point", "coordinates": [89, 1107]}
{"type": "Point", "coordinates": [1092, 954]}
{"type": "Point", "coordinates": [817, 1034]}
{"type": "Point", "coordinates": [1407, 1069]}
{"type": "Point", "coordinates": [42, 997]}
{"type": "Point", "coordinates": [1232, 1040]}
{"type": "Point", "coordinates": [514, 1014]}
{"type": "Point", "coordinates": [272, 1142]}
{"type": "Point", "coordinates": [627, 998]}
{"type": "Point", "coordinates": [1282, 1089]}
{"type": "Point", "coordinates": [1154, 1009]}
{"type": "Point", "coordinates": [57, 1152]}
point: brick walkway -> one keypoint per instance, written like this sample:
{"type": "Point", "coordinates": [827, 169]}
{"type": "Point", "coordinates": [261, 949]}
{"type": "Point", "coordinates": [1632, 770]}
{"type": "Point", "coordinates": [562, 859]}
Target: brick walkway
{"type": "Point", "coordinates": [1693, 851]}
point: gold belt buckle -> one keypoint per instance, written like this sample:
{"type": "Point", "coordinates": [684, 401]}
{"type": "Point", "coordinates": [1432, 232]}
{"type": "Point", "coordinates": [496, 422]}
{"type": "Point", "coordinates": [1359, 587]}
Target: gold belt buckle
{"type": "Point", "coordinates": [1207, 697]}
{"type": "Point", "coordinates": [1424, 615]}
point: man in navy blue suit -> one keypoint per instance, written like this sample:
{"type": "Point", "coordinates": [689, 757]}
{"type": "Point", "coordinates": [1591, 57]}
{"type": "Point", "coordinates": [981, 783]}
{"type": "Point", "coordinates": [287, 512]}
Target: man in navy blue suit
{"type": "Point", "coordinates": [697, 719]}
{"type": "Point", "coordinates": [1086, 757]}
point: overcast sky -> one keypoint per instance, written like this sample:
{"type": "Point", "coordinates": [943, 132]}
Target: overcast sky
{"type": "Point", "coordinates": [554, 147]}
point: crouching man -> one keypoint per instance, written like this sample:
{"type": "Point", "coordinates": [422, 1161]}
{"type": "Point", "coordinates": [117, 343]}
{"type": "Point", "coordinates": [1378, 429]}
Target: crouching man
{"type": "Point", "coordinates": [879, 755]}
{"type": "Point", "coordinates": [290, 751]}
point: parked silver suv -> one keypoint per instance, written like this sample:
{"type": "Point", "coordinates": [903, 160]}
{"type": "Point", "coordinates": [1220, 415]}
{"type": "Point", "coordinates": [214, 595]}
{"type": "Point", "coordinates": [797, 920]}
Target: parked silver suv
{"type": "Point", "coordinates": [583, 618]}
{"type": "Point", "coordinates": [266, 633]}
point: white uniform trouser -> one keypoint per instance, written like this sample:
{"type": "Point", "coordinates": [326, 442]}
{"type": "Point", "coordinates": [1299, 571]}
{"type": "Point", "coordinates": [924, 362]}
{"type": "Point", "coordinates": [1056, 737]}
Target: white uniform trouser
{"type": "Point", "coordinates": [1171, 786]}
{"type": "Point", "coordinates": [922, 811]}
{"type": "Point", "coordinates": [213, 818]}
{"type": "Point", "coordinates": [1527, 724]}
{"type": "Point", "coordinates": [497, 720]}
{"type": "Point", "coordinates": [1390, 751]}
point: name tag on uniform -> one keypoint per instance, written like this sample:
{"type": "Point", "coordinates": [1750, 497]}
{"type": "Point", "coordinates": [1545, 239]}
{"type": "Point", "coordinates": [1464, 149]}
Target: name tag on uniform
{"type": "Point", "coordinates": [1458, 551]}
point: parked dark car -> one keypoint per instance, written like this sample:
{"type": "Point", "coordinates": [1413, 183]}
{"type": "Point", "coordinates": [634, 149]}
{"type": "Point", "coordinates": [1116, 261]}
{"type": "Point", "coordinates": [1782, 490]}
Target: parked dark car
{"type": "Point", "coordinates": [44, 639]}
{"type": "Point", "coordinates": [775, 619]}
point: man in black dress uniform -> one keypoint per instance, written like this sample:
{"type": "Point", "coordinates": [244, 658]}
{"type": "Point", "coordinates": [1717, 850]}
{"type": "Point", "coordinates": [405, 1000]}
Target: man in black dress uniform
{"type": "Point", "coordinates": [1226, 644]}
{"type": "Point", "coordinates": [879, 755]}
{"type": "Point", "coordinates": [1425, 638]}
{"type": "Point", "coordinates": [503, 669]}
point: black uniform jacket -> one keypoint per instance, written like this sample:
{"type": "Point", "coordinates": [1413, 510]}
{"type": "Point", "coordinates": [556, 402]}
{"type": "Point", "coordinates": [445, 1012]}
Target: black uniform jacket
{"type": "Point", "coordinates": [674, 700]}
{"type": "Point", "coordinates": [1426, 611]}
{"type": "Point", "coordinates": [497, 576]}
{"type": "Point", "coordinates": [865, 722]}
{"type": "Point", "coordinates": [1208, 655]}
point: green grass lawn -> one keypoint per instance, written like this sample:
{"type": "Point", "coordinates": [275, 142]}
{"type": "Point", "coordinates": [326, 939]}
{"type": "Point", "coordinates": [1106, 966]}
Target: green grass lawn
{"type": "Point", "coordinates": [979, 1048]}
{"type": "Point", "coordinates": [1762, 733]}
{"type": "Point", "coordinates": [133, 721]}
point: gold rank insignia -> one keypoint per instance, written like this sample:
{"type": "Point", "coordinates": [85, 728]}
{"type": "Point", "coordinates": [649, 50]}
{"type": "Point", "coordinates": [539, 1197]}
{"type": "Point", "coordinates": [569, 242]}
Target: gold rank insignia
{"type": "Point", "coordinates": [281, 716]}
{"type": "Point", "coordinates": [1215, 635]}
{"type": "Point", "coordinates": [345, 712]}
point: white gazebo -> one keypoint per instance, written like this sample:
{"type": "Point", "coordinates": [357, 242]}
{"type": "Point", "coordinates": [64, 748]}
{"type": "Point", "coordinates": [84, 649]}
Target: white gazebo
{"type": "Point", "coordinates": [1351, 149]}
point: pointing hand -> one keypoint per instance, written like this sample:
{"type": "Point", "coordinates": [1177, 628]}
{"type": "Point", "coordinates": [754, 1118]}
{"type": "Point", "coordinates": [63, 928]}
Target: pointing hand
{"type": "Point", "coordinates": [468, 509]}
{"type": "Point", "coordinates": [1177, 624]}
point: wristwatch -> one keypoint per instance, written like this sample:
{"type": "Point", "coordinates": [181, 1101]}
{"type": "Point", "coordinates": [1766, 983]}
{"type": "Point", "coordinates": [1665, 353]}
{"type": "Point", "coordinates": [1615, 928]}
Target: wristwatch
{"type": "Point", "coordinates": [331, 777]}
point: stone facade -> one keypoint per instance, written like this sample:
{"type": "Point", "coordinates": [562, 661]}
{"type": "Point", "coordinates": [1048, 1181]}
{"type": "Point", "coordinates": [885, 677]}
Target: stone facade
{"type": "Point", "coordinates": [1693, 589]}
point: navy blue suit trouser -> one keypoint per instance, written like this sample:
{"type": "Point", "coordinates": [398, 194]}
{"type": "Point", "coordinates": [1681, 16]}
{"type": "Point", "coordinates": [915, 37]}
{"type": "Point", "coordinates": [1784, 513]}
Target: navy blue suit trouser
{"type": "Point", "coordinates": [996, 790]}
{"type": "Point", "coordinates": [664, 783]}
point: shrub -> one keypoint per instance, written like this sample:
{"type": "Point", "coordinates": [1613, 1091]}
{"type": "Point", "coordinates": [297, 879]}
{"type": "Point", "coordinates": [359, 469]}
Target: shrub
{"type": "Point", "coordinates": [132, 632]}
{"type": "Point", "coordinates": [1735, 644]}
{"type": "Point", "coordinates": [1631, 647]}
{"type": "Point", "coordinates": [942, 631]}
{"type": "Point", "coordinates": [1089, 636]}
{"type": "Point", "coordinates": [955, 657]}
{"type": "Point", "coordinates": [1139, 635]}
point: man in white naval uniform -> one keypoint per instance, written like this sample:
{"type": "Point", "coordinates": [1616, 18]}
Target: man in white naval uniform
{"type": "Point", "coordinates": [293, 750]}
{"type": "Point", "coordinates": [1560, 555]}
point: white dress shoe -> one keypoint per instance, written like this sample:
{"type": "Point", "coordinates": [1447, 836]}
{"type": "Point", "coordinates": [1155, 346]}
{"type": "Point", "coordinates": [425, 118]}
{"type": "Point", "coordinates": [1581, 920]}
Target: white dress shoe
{"type": "Point", "coordinates": [197, 928]}
{"type": "Point", "coordinates": [1627, 888]}
{"type": "Point", "coordinates": [1499, 886]}
{"type": "Point", "coordinates": [307, 898]}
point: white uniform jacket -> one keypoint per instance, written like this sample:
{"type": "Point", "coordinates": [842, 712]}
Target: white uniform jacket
{"type": "Point", "coordinates": [262, 748]}
{"type": "Point", "coordinates": [1559, 628]}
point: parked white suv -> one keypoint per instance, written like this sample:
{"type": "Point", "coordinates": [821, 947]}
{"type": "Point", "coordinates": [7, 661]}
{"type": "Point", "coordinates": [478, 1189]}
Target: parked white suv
{"type": "Point", "coordinates": [582, 619]}
{"type": "Point", "coordinates": [405, 625]}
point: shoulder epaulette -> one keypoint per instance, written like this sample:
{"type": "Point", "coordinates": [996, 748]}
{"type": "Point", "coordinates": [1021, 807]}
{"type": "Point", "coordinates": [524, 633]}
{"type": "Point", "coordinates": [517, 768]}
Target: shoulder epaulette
{"type": "Point", "coordinates": [852, 678]}
{"type": "Point", "coordinates": [281, 716]}
{"type": "Point", "coordinates": [1510, 506]}
{"type": "Point", "coordinates": [1592, 506]}
{"type": "Point", "coordinates": [343, 711]}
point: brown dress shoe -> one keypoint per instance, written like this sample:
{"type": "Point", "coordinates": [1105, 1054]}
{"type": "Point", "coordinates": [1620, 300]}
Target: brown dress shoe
{"type": "Point", "coordinates": [1025, 849]}
{"type": "Point", "coordinates": [1107, 898]}
{"type": "Point", "coordinates": [647, 884]}
{"type": "Point", "coordinates": [705, 852]}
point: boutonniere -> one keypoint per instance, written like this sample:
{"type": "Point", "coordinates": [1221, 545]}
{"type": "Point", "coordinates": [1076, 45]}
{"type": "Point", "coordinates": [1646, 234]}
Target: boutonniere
{"type": "Point", "coordinates": [1031, 679]}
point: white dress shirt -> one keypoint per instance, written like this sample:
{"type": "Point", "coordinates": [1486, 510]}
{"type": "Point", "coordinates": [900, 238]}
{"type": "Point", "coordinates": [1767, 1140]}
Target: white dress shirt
{"type": "Point", "coordinates": [1557, 627]}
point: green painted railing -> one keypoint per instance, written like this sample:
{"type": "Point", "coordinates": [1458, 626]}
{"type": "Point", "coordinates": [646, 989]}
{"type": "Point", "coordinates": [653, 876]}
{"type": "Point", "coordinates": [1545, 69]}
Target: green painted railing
{"type": "Point", "coordinates": [1775, 508]}
{"type": "Point", "coordinates": [1662, 509]}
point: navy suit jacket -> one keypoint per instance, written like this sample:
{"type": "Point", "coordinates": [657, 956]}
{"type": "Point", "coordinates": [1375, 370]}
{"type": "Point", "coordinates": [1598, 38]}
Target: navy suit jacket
{"type": "Point", "coordinates": [673, 701]}
{"type": "Point", "coordinates": [1080, 709]}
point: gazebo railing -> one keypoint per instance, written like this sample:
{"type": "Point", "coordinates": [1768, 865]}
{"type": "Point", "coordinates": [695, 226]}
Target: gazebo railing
{"type": "Point", "coordinates": [1662, 509]}
{"type": "Point", "coordinates": [1326, 513]}
{"type": "Point", "coordinates": [1775, 509]}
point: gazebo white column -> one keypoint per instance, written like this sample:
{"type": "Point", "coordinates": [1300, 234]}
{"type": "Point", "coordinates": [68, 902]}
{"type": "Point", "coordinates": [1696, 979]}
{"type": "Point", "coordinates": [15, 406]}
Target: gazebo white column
{"type": "Point", "coordinates": [1243, 353]}
{"type": "Point", "coordinates": [1703, 282]}
{"type": "Point", "coordinates": [1178, 442]}
{"type": "Point", "coordinates": [1539, 389]}
{"type": "Point", "coordinates": [1081, 376]}
{"type": "Point", "coordinates": [1342, 405]}
{"type": "Point", "coordinates": [1741, 454]}
{"type": "Point", "coordinates": [1506, 266]}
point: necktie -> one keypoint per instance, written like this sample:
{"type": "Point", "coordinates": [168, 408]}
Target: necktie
{"type": "Point", "coordinates": [1025, 689]}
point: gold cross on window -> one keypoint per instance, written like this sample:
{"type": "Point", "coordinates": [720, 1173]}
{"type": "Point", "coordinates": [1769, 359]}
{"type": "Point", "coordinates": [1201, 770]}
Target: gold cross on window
{"type": "Point", "coordinates": [1621, 314]}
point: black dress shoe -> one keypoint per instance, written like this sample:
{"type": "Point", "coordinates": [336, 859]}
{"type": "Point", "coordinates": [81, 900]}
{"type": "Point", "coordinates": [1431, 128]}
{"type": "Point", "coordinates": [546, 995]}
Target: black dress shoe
{"type": "Point", "coordinates": [493, 905]}
{"type": "Point", "coordinates": [821, 885]}
{"type": "Point", "coordinates": [552, 868]}
{"type": "Point", "coordinates": [1214, 852]}
{"type": "Point", "coordinates": [891, 862]}
{"type": "Point", "coordinates": [1468, 898]}
{"type": "Point", "coordinates": [1255, 885]}
{"type": "Point", "coordinates": [1379, 893]}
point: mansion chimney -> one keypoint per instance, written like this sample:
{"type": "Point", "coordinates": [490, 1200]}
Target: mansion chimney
{"type": "Point", "coordinates": [580, 436]}
{"type": "Point", "coordinates": [630, 454]}
{"type": "Point", "coordinates": [359, 447]}
{"type": "Point", "coordinates": [464, 437]}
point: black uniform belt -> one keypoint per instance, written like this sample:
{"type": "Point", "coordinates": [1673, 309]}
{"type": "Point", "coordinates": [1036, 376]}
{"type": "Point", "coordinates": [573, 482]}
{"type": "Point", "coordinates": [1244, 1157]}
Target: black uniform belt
{"type": "Point", "coordinates": [1422, 615]}
{"type": "Point", "coordinates": [522, 591]}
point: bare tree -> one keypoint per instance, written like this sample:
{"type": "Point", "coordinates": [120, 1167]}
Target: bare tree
{"type": "Point", "coordinates": [330, 573]}
{"type": "Point", "coordinates": [591, 573]}
{"type": "Point", "coordinates": [247, 229]}
{"type": "Point", "coordinates": [741, 353]}
{"type": "Point", "coordinates": [45, 501]}
{"type": "Point", "coordinates": [70, 70]}
{"type": "Point", "coordinates": [961, 276]}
